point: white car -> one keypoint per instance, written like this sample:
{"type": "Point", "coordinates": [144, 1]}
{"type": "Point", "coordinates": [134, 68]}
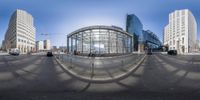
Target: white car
{"type": "Point", "coordinates": [14, 51]}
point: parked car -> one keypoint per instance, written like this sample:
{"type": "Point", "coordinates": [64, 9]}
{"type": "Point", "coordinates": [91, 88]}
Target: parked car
{"type": "Point", "coordinates": [172, 52]}
{"type": "Point", "coordinates": [14, 51]}
{"type": "Point", "coordinates": [49, 54]}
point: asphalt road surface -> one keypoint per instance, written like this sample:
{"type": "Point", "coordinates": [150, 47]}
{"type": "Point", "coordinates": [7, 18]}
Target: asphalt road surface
{"type": "Point", "coordinates": [160, 77]}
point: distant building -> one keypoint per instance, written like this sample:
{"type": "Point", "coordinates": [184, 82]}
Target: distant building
{"type": "Point", "coordinates": [181, 32]}
{"type": "Point", "coordinates": [149, 40]}
{"type": "Point", "coordinates": [39, 45]}
{"type": "Point", "coordinates": [54, 48]}
{"type": "Point", "coordinates": [197, 46]}
{"type": "Point", "coordinates": [47, 45]}
{"type": "Point", "coordinates": [134, 27]}
{"type": "Point", "coordinates": [3, 45]}
{"type": "Point", "coordinates": [44, 45]}
{"type": "Point", "coordinates": [63, 48]}
{"type": "Point", "coordinates": [20, 33]}
{"type": "Point", "coordinates": [0, 46]}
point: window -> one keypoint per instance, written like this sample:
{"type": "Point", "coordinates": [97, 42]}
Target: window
{"type": "Point", "coordinates": [182, 40]}
{"type": "Point", "coordinates": [183, 12]}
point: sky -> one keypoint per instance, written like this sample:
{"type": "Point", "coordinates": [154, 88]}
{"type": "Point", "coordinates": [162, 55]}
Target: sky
{"type": "Point", "coordinates": [61, 17]}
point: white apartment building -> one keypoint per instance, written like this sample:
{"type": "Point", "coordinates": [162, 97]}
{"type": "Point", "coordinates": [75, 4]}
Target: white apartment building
{"type": "Point", "coordinates": [39, 45]}
{"type": "Point", "coordinates": [43, 45]}
{"type": "Point", "coordinates": [181, 32]}
{"type": "Point", "coordinates": [21, 32]}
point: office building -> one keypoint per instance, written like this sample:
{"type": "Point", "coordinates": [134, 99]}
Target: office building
{"type": "Point", "coordinates": [21, 32]}
{"type": "Point", "coordinates": [181, 32]}
{"type": "Point", "coordinates": [149, 40]}
{"type": "Point", "coordinates": [134, 27]}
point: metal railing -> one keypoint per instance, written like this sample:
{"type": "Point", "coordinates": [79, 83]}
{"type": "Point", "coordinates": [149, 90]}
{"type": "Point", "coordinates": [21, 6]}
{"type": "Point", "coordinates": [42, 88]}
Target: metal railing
{"type": "Point", "coordinates": [99, 67]}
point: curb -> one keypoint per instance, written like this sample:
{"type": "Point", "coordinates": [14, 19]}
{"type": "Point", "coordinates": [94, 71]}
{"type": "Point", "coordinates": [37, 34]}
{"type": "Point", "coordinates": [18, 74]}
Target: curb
{"type": "Point", "coordinates": [100, 80]}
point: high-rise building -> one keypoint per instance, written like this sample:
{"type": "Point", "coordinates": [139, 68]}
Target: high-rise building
{"type": "Point", "coordinates": [134, 27]}
{"type": "Point", "coordinates": [181, 32]}
{"type": "Point", "coordinates": [21, 32]}
{"type": "Point", "coordinates": [39, 46]}
{"type": "Point", "coordinates": [47, 45]}
{"type": "Point", "coordinates": [166, 35]}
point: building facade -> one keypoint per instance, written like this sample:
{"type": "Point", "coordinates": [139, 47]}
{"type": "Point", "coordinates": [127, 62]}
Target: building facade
{"type": "Point", "coordinates": [39, 46]}
{"type": "Point", "coordinates": [134, 27]}
{"type": "Point", "coordinates": [21, 32]}
{"type": "Point", "coordinates": [181, 32]}
{"type": "Point", "coordinates": [197, 46]}
{"type": "Point", "coordinates": [47, 45]}
{"type": "Point", "coordinates": [62, 48]}
{"type": "Point", "coordinates": [100, 40]}
{"type": "Point", "coordinates": [44, 45]}
{"type": "Point", "coordinates": [149, 40]}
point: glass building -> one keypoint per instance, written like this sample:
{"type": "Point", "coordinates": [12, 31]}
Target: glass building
{"type": "Point", "coordinates": [149, 40]}
{"type": "Point", "coordinates": [134, 27]}
{"type": "Point", "coordinates": [99, 40]}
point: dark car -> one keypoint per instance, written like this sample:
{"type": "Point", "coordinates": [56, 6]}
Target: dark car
{"type": "Point", "coordinates": [49, 54]}
{"type": "Point", "coordinates": [172, 52]}
{"type": "Point", "coordinates": [149, 52]}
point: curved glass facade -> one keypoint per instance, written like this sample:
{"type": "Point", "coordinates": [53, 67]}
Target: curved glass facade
{"type": "Point", "coordinates": [99, 40]}
{"type": "Point", "coordinates": [134, 27]}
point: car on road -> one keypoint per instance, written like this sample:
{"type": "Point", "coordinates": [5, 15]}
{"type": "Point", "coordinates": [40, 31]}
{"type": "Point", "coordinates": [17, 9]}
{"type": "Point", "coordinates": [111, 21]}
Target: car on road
{"type": "Point", "coordinates": [14, 51]}
{"type": "Point", "coordinates": [149, 52]}
{"type": "Point", "coordinates": [172, 52]}
{"type": "Point", "coordinates": [49, 54]}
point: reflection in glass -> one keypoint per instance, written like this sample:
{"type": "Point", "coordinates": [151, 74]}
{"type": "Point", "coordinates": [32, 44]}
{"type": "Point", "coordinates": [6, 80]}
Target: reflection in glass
{"type": "Point", "coordinates": [100, 40]}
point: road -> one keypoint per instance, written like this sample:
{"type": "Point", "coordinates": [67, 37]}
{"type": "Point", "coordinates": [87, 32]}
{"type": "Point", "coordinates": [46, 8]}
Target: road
{"type": "Point", "coordinates": [159, 77]}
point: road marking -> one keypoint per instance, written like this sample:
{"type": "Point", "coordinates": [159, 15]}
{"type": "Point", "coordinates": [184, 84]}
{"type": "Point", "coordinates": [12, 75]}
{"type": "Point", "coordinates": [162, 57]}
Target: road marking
{"type": "Point", "coordinates": [166, 65]}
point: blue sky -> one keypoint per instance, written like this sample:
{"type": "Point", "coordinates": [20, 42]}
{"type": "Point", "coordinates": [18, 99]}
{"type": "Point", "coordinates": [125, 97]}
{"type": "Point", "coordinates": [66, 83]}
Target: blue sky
{"type": "Point", "coordinates": [60, 17]}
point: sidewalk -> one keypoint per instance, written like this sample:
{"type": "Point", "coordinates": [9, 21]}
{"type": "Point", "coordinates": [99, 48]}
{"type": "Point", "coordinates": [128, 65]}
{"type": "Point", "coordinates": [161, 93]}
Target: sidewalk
{"type": "Point", "coordinates": [191, 54]}
{"type": "Point", "coordinates": [4, 53]}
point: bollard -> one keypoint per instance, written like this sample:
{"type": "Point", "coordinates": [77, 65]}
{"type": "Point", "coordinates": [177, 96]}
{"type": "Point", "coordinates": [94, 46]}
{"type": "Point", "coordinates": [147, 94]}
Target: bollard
{"type": "Point", "coordinates": [122, 62]}
{"type": "Point", "coordinates": [70, 63]}
{"type": "Point", "coordinates": [62, 58]}
{"type": "Point", "coordinates": [92, 70]}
